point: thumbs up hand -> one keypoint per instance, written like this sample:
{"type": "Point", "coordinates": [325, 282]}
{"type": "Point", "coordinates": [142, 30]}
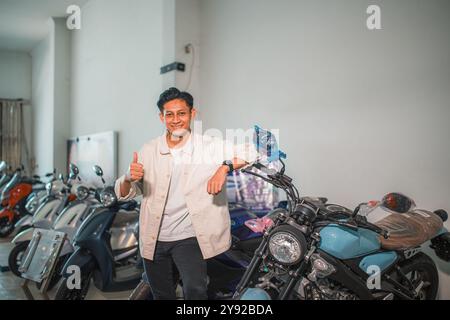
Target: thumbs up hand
{"type": "Point", "coordinates": [136, 169]}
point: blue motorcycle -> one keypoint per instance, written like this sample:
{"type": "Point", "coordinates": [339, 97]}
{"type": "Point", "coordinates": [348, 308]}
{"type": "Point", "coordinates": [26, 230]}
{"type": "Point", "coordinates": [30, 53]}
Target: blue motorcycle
{"type": "Point", "coordinates": [226, 269]}
{"type": "Point", "coordinates": [311, 251]}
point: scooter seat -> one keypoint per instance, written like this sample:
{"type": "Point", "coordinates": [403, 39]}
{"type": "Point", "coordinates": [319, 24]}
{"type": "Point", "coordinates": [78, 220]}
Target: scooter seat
{"type": "Point", "coordinates": [410, 229]}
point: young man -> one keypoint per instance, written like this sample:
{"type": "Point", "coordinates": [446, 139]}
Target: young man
{"type": "Point", "coordinates": [184, 215]}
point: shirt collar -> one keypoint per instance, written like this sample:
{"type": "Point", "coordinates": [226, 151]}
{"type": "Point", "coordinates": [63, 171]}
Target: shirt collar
{"type": "Point", "coordinates": [164, 147]}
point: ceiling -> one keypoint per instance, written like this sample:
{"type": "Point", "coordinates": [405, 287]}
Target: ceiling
{"type": "Point", "coordinates": [23, 23]}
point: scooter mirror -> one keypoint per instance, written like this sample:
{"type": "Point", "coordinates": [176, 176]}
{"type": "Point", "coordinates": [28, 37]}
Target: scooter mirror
{"type": "Point", "coordinates": [74, 169]}
{"type": "Point", "coordinates": [397, 202]}
{"type": "Point", "coordinates": [2, 166]}
{"type": "Point", "coordinates": [98, 171]}
{"type": "Point", "coordinates": [61, 177]}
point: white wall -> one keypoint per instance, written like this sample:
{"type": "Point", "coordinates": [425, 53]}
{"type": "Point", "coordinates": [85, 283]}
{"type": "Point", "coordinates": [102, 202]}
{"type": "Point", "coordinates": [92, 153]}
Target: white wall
{"type": "Point", "coordinates": [15, 83]}
{"type": "Point", "coordinates": [187, 31]}
{"type": "Point", "coordinates": [15, 75]}
{"type": "Point", "coordinates": [361, 112]}
{"type": "Point", "coordinates": [61, 93]}
{"type": "Point", "coordinates": [43, 102]}
{"type": "Point", "coordinates": [115, 82]}
{"type": "Point", "coordinates": [51, 98]}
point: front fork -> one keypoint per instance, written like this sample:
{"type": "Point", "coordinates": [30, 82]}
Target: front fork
{"type": "Point", "coordinates": [254, 264]}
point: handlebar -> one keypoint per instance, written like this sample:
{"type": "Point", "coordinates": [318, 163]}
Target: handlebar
{"type": "Point", "coordinates": [354, 224]}
{"type": "Point", "coordinates": [280, 180]}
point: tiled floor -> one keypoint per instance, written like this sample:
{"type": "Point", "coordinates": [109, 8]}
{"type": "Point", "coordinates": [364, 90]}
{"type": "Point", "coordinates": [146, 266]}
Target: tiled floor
{"type": "Point", "coordinates": [10, 285]}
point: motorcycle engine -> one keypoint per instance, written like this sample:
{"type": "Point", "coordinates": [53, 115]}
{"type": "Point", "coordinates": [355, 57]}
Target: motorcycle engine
{"type": "Point", "coordinates": [324, 289]}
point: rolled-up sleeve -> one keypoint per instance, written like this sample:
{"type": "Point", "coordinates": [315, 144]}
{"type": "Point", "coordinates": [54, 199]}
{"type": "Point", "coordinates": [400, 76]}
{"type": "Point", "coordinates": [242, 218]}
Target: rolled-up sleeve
{"type": "Point", "coordinates": [135, 190]}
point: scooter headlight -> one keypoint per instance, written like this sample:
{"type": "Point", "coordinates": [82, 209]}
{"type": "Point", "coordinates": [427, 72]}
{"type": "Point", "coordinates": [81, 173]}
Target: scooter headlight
{"type": "Point", "coordinates": [108, 198]}
{"type": "Point", "coordinates": [54, 187]}
{"type": "Point", "coordinates": [32, 204]}
{"type": "Point", "coordinates": [82, 192]}
{"type": "Point", "coordinates": [287, 245]}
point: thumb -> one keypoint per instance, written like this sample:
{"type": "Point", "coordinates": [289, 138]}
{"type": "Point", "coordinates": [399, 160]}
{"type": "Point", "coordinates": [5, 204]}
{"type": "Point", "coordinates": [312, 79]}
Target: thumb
{"type": "Point", "coordinates": [135, 157]}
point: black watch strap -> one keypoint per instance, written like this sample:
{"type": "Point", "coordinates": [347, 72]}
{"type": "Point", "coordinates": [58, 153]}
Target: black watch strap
{"type": "Point", "coordinates": [229, 163]}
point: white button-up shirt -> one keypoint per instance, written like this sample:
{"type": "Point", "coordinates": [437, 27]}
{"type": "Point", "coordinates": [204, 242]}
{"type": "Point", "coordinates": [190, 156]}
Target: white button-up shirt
{"type": "Point", "coordinates": [209, 213]}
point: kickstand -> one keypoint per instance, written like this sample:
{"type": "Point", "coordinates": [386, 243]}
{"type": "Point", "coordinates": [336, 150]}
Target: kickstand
{"type": "Point", "coordinates": [26, 290]}
{"type": "Point", "coordinates": [28, 293]}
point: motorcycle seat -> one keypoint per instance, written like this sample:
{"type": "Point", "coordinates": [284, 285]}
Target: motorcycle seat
{"type": "Point", "coordinates": [410, 229]}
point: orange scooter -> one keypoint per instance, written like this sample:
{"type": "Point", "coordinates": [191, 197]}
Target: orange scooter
{"type": "Point", "coordinates": [13, 200]}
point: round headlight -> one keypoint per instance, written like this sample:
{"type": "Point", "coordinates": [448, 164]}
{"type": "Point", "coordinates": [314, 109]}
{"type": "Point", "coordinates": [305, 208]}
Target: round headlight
{"type": "Point", "coordinates": [287, 245]}
{"type": "Point", "coordinates": [82, 192]}
{"type": "Point", "coordinates": [108, 198]}
{"type": "Point", "coordinates": [32, 204]}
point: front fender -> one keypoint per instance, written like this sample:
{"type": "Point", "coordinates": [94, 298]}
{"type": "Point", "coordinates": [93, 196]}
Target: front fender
{"type": "Point", "coordinates": [24, 221]}
{"type": "Point", "coordinates": [25, 235]}
{"type": "Point", "coordinates": [80, 258]}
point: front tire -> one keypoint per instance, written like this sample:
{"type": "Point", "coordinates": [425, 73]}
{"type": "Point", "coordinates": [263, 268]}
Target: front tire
{"type": "Point", "coordinates": [64, 293]}
{"type": "Point", "coordinates": [6, 227]}
{"type": "Point", "coordinates": [15, 257]}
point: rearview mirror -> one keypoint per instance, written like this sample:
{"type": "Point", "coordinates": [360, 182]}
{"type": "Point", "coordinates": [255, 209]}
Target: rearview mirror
{"type": "Point", "coordinates": [74, 169]}
{"type": "Point", "coordinates": [397, 202]}
{"type": "Point", "coordinates": [98, 171]}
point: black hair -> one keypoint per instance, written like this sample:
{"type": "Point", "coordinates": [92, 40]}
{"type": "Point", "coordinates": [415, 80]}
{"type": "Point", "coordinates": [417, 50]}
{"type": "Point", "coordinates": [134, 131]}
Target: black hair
{"type": "Point", "coordinates": [172, 94]}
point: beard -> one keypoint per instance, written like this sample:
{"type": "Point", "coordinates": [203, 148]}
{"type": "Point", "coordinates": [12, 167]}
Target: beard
{"type": "Point", "coordinates": [179, 134]}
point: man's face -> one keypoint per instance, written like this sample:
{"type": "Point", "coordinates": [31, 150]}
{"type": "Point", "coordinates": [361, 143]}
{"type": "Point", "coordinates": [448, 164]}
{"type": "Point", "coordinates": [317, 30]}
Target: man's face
{"type": "Point", "coordinates": [177, 117]}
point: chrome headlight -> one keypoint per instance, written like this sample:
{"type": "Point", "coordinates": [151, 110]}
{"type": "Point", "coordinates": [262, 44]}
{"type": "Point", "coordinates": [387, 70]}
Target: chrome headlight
{"type": "Point", "coordinates": [287, 245]}
{"type": "Point", "coordinates": [32, 204]}
{"type": "Point", "coordinates": [54, 187]}
{"type": "Point", "coordinates": [82, 192]}
{"type": "Point", "coordinates": [108, 198]}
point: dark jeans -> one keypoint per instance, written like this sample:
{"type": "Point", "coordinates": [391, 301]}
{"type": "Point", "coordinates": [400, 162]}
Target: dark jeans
{"type": "Point", "coordinates": [186, 256]}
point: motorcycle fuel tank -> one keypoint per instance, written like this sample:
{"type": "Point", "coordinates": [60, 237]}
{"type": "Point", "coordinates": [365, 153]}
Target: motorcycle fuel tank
{"type": "Point", "coordinates": [344, 243]}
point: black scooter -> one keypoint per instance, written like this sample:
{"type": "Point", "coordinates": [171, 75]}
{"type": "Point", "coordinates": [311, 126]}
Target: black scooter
{"type": "Point", "coordinates": [106, 248]}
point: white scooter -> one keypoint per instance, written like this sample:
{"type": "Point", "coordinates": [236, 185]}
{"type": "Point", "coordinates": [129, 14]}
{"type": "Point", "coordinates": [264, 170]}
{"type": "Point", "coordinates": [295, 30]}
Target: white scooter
{"type": "Point", "coordinates": [67, 221]}
{"type": "Point", "coordinates": [57, 197]}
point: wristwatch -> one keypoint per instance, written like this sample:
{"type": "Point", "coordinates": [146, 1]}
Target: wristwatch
{"type": "Point", "coordinates": [228, 163]}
